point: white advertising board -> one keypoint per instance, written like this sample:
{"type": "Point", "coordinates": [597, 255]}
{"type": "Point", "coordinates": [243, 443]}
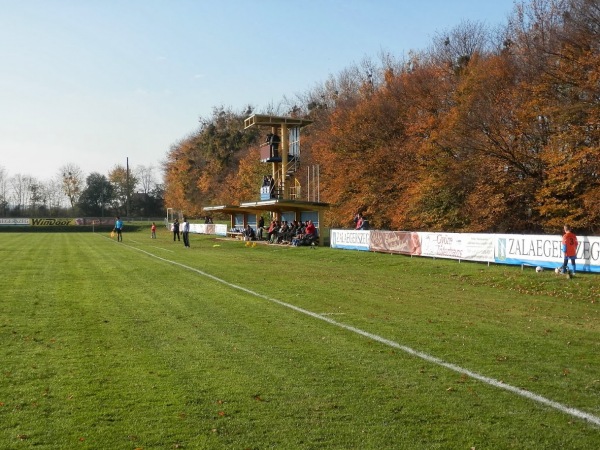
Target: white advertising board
{"type": "Point", "coordinates": [350, 239]}
{"type": "Point", "coordinates": [545, 251]}
{"type": "Point", "coordinates": [463, 246]}
{"type": "Point", "coordinates": [10, 222]}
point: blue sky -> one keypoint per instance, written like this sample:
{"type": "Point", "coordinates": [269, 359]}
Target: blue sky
{"type": "Point", "coordinates": [93, 82]}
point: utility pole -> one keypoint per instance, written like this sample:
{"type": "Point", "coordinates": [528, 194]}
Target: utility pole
{"type": "Point", "coordinates": [127, 188]}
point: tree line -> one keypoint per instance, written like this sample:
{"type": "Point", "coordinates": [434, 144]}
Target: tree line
{"type": "Point", "coordinates": [72, 193]}
{"type": "Point", "coordinates": [487, 130]}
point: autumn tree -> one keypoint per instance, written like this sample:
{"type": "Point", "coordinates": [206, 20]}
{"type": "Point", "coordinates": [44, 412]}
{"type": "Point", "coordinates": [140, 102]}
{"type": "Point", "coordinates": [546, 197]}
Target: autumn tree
{"type": "Point", "coordinates": [197, 167]}
{"type": "Point", "coordinates": [568, 93]}
{"type": "Point", "coordinates": [484, 131]}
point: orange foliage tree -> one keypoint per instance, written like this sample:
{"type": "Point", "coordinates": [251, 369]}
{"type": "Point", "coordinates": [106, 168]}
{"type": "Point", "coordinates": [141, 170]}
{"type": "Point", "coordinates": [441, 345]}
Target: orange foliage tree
{"type": "Point", "coordinates": [482, 132]}
{"type": "Point", "coordinates": [198, 169]}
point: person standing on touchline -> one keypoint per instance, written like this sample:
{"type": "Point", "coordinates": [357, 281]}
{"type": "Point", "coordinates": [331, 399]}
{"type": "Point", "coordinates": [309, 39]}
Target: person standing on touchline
{"type": "Point", "coordinates": [186, 232]}
{"type": "Point", "coordinates": [569, 248]}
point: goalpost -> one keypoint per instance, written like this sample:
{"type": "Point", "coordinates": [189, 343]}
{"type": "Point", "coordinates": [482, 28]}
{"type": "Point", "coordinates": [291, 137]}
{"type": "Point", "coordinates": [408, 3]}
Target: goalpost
{"type": "Point", "coordinates": [172, 213]}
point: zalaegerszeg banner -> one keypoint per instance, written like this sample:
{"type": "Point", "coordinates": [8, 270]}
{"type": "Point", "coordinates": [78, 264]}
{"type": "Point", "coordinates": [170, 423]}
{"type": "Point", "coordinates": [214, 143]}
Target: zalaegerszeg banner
{"type": "Point", "coordinates": [514, 249]}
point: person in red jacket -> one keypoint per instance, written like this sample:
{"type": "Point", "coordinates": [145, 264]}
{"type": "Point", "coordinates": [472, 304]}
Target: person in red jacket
{"type": "Point", "coordinates": [310, 228]}
{"type": "Point", "coordinates": [569, 248]}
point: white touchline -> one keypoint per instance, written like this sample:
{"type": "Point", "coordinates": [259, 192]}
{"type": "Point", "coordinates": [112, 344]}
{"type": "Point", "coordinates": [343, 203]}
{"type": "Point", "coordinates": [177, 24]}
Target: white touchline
{"type": "Point", "coordinates": [432, 359]}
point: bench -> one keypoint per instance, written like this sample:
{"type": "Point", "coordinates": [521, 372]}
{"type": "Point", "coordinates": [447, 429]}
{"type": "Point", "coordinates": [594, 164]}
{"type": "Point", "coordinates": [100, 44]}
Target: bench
{"type": "Point", "coordinates": [235, 234]}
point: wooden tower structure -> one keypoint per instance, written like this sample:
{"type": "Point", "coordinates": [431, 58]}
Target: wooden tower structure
{"type": "Point", "coordinates": [281, 149]}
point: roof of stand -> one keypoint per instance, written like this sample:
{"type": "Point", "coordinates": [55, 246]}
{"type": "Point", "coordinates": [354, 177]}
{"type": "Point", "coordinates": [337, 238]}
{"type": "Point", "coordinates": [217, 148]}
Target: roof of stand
{"type": "Point", "coordinates": [274, 121]}
{"type": "Point", "coordinates": [268, 205]}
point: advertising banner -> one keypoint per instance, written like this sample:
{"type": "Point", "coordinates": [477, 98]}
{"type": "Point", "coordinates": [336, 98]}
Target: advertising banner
{"type": "Point", "coordinates": [206, 228]}
{"type": "Point", "coordinates": [545, 251]}
{"type": "Point", "coordinates": [52, 222]}
{"type": "Point", "coordinates": [513, 249]}
{"type": "Point", "coordinates": [220, 229]}
{"type": "Point", "coordinates": [404, 242]}
{"type": "Point", "coordinates": [14, 222]}
{"type": "Point", "coordinates": [97, 221]}
{"type": "Point", "coordinates": [198, 228]}
{"type": "Point", "coordinates": [463, 246]}
{"type": "Point", "coordinates": [350, 239]}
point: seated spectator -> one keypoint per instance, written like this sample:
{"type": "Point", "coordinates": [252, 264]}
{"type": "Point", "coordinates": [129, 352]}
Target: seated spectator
{"type": "Point", "coordinates": [272, 231]}
{"type": "Point", "coordinates": [249, 234]}
{"type": "Point", "coordinates": [310, 228]}
{"type": "Point", "coordinates": [291, 232]}
{"type": "Point", "coordinates": [309, 237]}
{"type": "Point", "coordinates": [281, 233]}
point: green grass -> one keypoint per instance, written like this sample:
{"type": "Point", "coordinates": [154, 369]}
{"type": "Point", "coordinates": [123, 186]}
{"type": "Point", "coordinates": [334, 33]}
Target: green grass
{"type": "Point", "coordinates": [105, 346]}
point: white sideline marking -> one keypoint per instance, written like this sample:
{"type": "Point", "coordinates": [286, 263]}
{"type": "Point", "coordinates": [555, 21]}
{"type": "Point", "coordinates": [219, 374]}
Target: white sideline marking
{"type": "Point", "coordinates": [163, 249]}
{"type": "Point", "coordinates": [432, 359]}
{"type": "Point", "coordinates": [153, 246]}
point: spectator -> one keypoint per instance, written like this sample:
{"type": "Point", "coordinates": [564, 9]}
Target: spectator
{"type": "Point", "coordinates": [249, 234]}
{"type": "Point", "coordinates": [310, 229]}
{"type": "Point", "coordinates": [283, 229]}
{"type": "Point", "coordinates": [274, 141]}
{"type": "Point", "coordinates": [272, 231]}
{"type": "Point", "coordinates": [359, 221]}
{"type": "Point", "coordinates": [260, 228]}
{"type": "Point", "coordinates": [309, 237]}
{"type": "Point", "coordinates": [186, 232]}
{"type": "Point", "coordinates": [175, 230]}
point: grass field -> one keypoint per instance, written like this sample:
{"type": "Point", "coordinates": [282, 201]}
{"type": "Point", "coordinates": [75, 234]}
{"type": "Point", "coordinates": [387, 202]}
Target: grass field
{"type": "Point", "coordinates": [148, 345]}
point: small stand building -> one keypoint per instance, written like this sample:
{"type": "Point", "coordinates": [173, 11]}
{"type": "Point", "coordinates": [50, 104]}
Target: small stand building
{"type": "Point", "coordinates": [283, 194]}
